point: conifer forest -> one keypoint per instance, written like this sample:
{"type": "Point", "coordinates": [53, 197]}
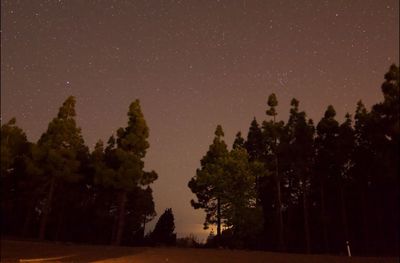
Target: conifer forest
{"type": "Point", "coordinates": [295, 185]}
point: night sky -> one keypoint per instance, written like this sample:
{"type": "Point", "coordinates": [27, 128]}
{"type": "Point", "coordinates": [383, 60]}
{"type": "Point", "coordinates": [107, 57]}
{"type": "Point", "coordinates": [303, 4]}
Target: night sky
{"type": "Point", "coordinates": [193, 65]}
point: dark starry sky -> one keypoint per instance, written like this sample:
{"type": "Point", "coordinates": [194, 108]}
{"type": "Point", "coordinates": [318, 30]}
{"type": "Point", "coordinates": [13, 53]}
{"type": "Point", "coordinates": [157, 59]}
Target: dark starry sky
{"type": "Point", "coordinates": [193, 65]}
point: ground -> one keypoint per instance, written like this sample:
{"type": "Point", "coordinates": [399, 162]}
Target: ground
{"type": "Point", "coordinates": [31, 251]}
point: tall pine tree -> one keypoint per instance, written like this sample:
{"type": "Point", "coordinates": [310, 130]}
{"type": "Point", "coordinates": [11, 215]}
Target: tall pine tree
{"type": "Point", "coordinates": [124, 156]}
{"type": "Point", "coordinates": [326, 165]}
{"type": "Point", "coordinates": [275, 128]}
{"type": "Point", "coordinates": [61, 147]}
{"type": "Point", "coordinates": [209, 182]}
{"type": "Point", "coordinates": [299, 162]}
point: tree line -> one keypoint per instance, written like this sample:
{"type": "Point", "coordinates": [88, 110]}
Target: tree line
{"type": "Point", "coordinates": [301, 187]}
{"type": "Point", "coordinates": [56, 189]}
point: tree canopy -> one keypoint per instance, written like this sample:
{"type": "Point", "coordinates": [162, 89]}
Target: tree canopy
{"type": "Point", "coordinates": [316, 186]}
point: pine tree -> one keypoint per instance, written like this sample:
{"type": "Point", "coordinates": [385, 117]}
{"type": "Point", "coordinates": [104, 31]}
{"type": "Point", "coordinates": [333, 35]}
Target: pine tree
{"type": "Point", "coordinates": [299, 161]}
{"type": "Point", "coordinates": [363, 168]}
{"type": "Point", "coordinates": [343, 155]}
{"type": "Point", "coordinates": [13, 144]}
{"type": "Point", "coordinates": [378, 140]}
{"type": "Point", "coordinates": [15, 151]}
{"type": "Point", "coordinates": [163, 232]}
{"type": "Point", "coordinates": [239, 141]}
{"type": "Point", "coordinates": [272, 103]}
{"type": "Point", "coordinates": [255, 146]}
{"type": "Point", "coordinates": [326, 163]}
{"type": "Point", "coordinates": [124, 156]}
{"type": "Point", "coordinates": [208, 184]}
{"type": "Point", "coordinates": [240, 210]}
{"type": "Point", "coordinates": [254, 142]}
{"type": "Point", "coordinates": [386, 121]}
{"type": "Point", "coordinates": [60, 148]}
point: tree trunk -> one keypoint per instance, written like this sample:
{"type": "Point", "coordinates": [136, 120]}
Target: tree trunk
{"type": "Point", "coordinates": [144, 226]}
{"type": "Point", "coordinates": [281, 240]}
{"type": "Point", "coordinates": [60, 225]}
{"type": "Point", "coordinates": [344, 215]}
{"type": "Point", "coordinates": [218, 217]}
{"type": "Point", "coordinates": [324, 219]}
{"type": "Point", "coordinates": [114, 230]}
{"type": "Point", "coordinates": [305, 217]}
{"type": "Point", "coordinates": [47, 208]}
{"type": "Point", "coordinates": [121, 217]}
{"type": "Point", "coordinates": [365, 222]}
{"type": "Point", "coordinates": [28, 218]}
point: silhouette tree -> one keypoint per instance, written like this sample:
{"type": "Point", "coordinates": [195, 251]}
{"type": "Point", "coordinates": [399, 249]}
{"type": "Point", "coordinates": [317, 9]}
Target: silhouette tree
{"type": "Point", "coordinates": [239, 141]}
{"type": "Point", "coordinates": [326, 164]}
{"type": "Point", "coordinates": [299, 157]}
{"type": "Point", "coordinates": [386, 120]}
{"type": "Point", "coordinates": [163, 232]}
{"type": "Point", "coordinates": [13, 144]}
{"type": "Point", "coordinates": [15, 151]}
{"type": "Point", "coordinates": [140, 210]}
{"type": "Point", "coordinates": [209, 182]}
{"type": "Point", "coordinates": [254, 142]}
{"type": "Point", "coordinates": [60, 148]}
{"type": "Point", "coordinates": [363, 169]}
{"type": "Point", "coordinates": [123, 158]}
{"type": "Point", "coordinates": [343, 155]}
{"type": "Point", "coordinates": [256, 146]}
{"type": "Point", "coordinates": [284, 178]}
{"type": "Point", "coordinates": [274, 128]}
{"type": "Point", "coordinates": [240, 207]}
{"type": "Point", "coordinates": [381, 133]}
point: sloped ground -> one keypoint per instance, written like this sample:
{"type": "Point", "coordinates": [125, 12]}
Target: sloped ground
{"type": "Point", "coordinates": [28, 251]}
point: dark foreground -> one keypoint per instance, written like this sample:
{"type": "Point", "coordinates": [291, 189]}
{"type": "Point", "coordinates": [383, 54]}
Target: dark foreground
{"type": "Point", "coordinates": [27, 251]}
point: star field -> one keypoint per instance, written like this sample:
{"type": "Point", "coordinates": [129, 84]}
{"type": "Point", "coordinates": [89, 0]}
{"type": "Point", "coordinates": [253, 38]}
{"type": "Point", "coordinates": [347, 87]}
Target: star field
{"type": "Point", "coordinates": [193, 65]}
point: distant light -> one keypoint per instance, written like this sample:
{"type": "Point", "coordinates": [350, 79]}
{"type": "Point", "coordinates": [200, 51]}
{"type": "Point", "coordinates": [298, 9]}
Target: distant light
{"type": "Point", "coordinates": [389, 138]}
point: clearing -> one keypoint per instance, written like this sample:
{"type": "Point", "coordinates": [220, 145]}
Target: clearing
{"type": "Point", "coordinates": [33, 251]}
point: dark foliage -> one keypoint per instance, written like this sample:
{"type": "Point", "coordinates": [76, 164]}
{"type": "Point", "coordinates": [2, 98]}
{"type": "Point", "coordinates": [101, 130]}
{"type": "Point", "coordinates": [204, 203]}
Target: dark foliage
{"type": "Point", "coordinates": [163, 233]}
{"type": "Point", "coordinates": [318, 187]}
{"type": "Point", "coordinates": [57, 190]}
{"type": "Point", "coordinates": [288, 186]}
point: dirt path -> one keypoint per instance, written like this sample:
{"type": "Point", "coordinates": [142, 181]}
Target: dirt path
{"type": "Point", "coordinates": [25, 251]}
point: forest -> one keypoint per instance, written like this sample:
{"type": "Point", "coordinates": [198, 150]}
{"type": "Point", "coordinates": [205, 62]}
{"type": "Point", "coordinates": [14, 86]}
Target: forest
{"type": "Point", "coordinates": [301, 187]}
{"type": "Point", "coordinates": [294, 186]}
